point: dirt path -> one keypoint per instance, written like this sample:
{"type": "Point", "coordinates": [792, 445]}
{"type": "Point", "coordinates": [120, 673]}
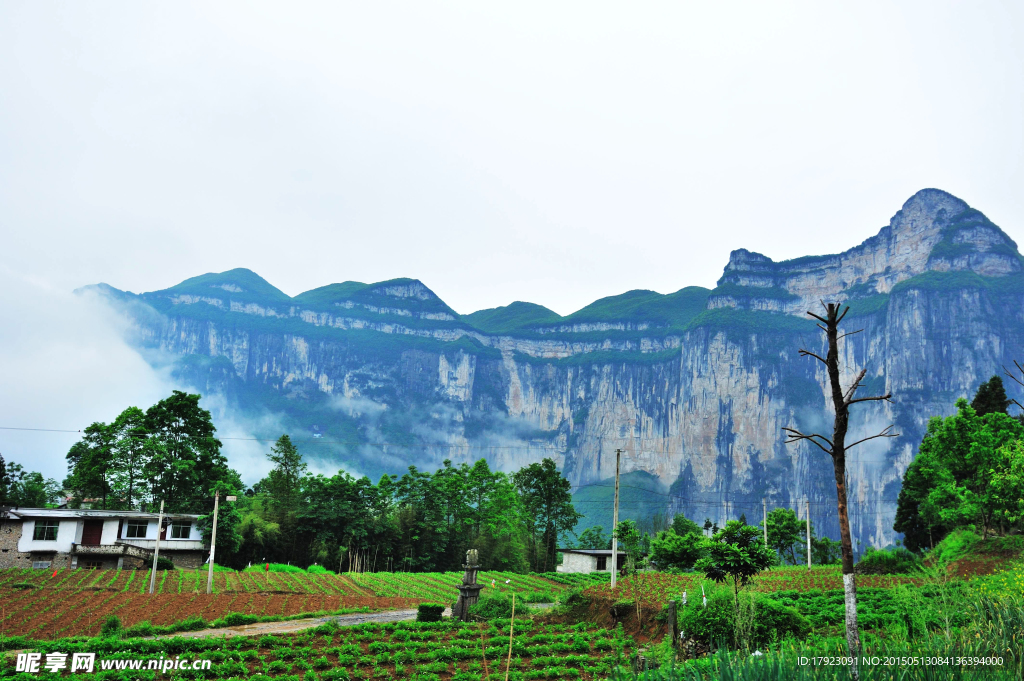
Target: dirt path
{"type": "Point", "coordinates": [291, 626]}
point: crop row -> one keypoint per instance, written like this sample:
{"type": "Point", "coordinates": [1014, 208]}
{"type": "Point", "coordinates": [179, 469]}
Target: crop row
{"type": "Point", "coordinates": [659, 587]}
{"type": "Point", "coordinates": [428, 585]}
{"type": "Point", "coordinates": [466, 652]}
{"type": "Point", "coordinates": [45, 613]}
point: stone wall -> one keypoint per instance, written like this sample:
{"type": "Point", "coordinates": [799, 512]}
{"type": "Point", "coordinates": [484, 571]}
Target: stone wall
{"type": "Point", "coordinates": [578, 562]}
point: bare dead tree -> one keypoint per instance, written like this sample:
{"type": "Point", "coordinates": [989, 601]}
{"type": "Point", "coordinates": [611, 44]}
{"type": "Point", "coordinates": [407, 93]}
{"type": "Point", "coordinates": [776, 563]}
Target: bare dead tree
{"type": "Point", "coordinates": [836, 447]}
{"type": "Point", "coordinates": [1018, 381]}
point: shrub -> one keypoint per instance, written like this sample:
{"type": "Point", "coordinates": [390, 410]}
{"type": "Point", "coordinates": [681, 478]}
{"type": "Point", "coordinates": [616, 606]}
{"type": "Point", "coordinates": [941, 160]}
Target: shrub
{"type": "Point", "coordinates": [956, 544]}
{"type": "Point", "coordinates": [429, 612]}
{"type": "Point", "coordinates": [23, 585]}
{"type": "Point", "coordinates": [111, 627]}
{"type": "Point", "coordinates": [762, 620]}
{"type": "Point", "coordinates": [573, 598]}
{"type": "Point", "coordinates": [773, 621]}
{"type": "Point", "coordinates": [882, 562]}
{"type": "Point", "coordinates": [498, 606]}
{"type": "Point", "coordinates": [275, 567]}
{"type": "Point", "coordinates": [711, 624]}
{"type": "Point", "coordinates": [234, 619]}
{"type": "Point", "coordinates": [318, 570]}
{"type": "Point", "coordinates": [161, 564]}
{"type": "Point", "coordinates": [194, 623]}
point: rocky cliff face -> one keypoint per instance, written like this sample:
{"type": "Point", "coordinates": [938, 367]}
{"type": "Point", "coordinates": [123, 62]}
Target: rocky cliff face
{"type": "Point", "coordinates": [390, 376]}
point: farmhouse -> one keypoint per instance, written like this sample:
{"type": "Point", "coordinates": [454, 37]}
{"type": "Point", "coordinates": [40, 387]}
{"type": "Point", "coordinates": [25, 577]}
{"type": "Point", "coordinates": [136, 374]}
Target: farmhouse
{"type": "Point", "coordinates": [62, 537]}
{"type": "Point", "coordinates": [589, 560]}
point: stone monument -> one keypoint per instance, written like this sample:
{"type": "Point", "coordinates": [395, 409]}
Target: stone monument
{"type": "Point", "coordinates": [469, 590]}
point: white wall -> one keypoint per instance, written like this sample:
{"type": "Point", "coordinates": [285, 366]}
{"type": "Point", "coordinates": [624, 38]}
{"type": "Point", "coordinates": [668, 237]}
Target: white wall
{"type": "Point", "coordinates": [109, 535]}
{"type": "Point", "coordinates": [577, 562]}
{"type": "Point", "coordinates": [66, 535]}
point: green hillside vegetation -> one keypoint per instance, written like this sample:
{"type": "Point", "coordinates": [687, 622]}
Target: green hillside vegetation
{"type": "Point", "coordinates": [674, 310]}
{"type": "Point", "coordinates": [517, 315]}
{"type": "Point", "coordinates": [330, 294]}
{"type": "Point", "coordinates": [641, 498]}
{"type": "Point", "coordinates": [254, 288]}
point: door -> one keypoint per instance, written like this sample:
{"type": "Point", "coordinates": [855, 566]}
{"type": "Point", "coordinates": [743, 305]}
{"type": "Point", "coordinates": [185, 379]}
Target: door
{"type": "Point", "coordinates": [92, 532]}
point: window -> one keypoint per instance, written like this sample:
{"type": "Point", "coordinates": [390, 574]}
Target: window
{"type": "Point", "coordinates": [40, 564]}
{"type": "Point", "coordinates": [181, 530]}
{"type": "Point", "coordinates": [602, 563]}
{"type": "Point", "coordinates": [46, 530]}
{"type": "Point", "coordinates": [91, 565]}
{"type": "Point", "coordinates": [136, 529]}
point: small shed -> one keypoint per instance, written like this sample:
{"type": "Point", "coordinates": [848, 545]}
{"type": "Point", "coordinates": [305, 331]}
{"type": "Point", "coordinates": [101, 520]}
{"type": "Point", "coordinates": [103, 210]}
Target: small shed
{"type": "Point", "coordinates": [589, 560]}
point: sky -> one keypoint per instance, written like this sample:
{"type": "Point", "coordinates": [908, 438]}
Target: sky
{"type": "Point", "coordinates": [548, 152]}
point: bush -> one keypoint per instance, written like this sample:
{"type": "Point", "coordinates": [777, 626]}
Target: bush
{"type": "Point", "coordinates": [772, 621]}
{"type": "Point", "coordinates": [882, 562]}
{"type": "Point", "coordinates": [194, 623]}
{"type": "Point", "coordinates": [498, 606]}
{"type": "Point", "coordinates": [429, 612]}
{"type": "Point", "coordinates": [712, 624]}
{"type": "Point", "coordinates": [956, 544]}
{"type": "Point", "coordinates": [573, 598]}
{"type": "Point", "coordinates": [318, 570]}
{"type": "Point", "coordinates": [275, 567]}
{"type": "Point", "coordinates": [23, 585]}
{"type": "Point", "coordinates": [762, 620]}
{"type": "Point", "coordinates": [161, 564]}
{"type": "Point", "coordinates": [234, 619]}
{"type": "Point", "coordinates": [111, 627]}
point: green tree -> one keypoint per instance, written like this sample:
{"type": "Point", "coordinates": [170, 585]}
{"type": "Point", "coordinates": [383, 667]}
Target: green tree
{"type": "Point", "coordinates": [91, 465]}
{"type": "Point", "coordinates": [950, 483]}
{"type": "Point", "coordinates": [683, 526]}
{"type": "Point", "coordinates": [5, 482]}
{"type": "Point", "coordinates": [594, 538]}
{"type": "Point", "coordinates": [990, 398]}
{"type": "Point", "coordinates": [28, 489]}
{"type": "Point", "coordinates": [737, 551]}
{"type": "Point", "coordinates": [186, 461]}
{"type": "Point", "coordinates": [1008, 487]}
{"type": "Point", "coordinates": [630, 543]}
{"type": "Point", "coordinates": [548, 509]}
{"type": "Point", "coordinates": [229, 535]}
{"type": "Point", "coordinates": [784, 531]}
{"type": "Point", "coordinates": [131, 450]}
{"type": "Point", "coordinates": [669, 550]}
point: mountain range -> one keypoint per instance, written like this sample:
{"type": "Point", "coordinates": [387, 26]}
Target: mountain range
{"type": "Point", "coordinates": [694, 386]}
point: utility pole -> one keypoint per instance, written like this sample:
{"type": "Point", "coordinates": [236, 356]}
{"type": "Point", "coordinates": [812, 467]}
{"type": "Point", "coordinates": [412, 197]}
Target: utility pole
{"type": "Point", "coordinates": [764, 508]}
{"type": "Point", "coordinates": [808, 503]}
{"type": "Point", "coordinates": [615, 522]}
{"type": "Point", "coordinates": [156, 550]}
{"type": "Point", "coordinates": [213, 543]}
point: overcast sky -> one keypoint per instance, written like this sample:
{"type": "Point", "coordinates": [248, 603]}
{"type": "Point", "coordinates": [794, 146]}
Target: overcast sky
{"type": "Point", "coordinates": [549, 152]}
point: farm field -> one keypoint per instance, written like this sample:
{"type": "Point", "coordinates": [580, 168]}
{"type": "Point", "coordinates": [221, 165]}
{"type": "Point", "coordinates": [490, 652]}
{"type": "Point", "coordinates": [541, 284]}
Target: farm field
{"type": "Point", "coordinates": [49, 613]}
{"type": "Point", "coordinates": [421, 651]}
{"type": "Point", "coordinates": [425, 585]}
{"type": "Point", "coordinates": [658, 587]}
{"type": "Point", "coordinates": [41, 604]}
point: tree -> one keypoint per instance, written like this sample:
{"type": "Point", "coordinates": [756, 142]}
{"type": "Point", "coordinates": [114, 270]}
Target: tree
{"type": "Point", "coordinates": [186, 461]}
{"type": "Point", "coordinates": [548, 508]}
{"type": "Point", "coordinates": [737, 551]}
{"type": "Point", "coordinates": [229, 535]}
{"type": "Point", "coordinates": [91, 465]}
{"type": "Point", "coordinates": [825, 551]}
{"type": "Point", "coordinates": [683, 526]}
{"type": "Point", "coordinates": [594, 538]}
{"type": "Point", "coordinates": [5, 482]}
{"type": "Point", "coordinates": [669, 550]}
{"type": "Point", "coordinates": [28, 489]}
{"type": "Point", "coordinates": [990, 398]}
{"type": "Point", "coordinates": [836, 448]}
{"type": "Point", "coordinates": [952, 482]}
{"type": "Point", "coordinates": [131, 450]}
{"type": "Point", "coordinates": [784, 530]}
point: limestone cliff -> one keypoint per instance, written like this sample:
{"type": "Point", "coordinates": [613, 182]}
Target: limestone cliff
{"type": "Point", "coordinates": [693, 386]}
